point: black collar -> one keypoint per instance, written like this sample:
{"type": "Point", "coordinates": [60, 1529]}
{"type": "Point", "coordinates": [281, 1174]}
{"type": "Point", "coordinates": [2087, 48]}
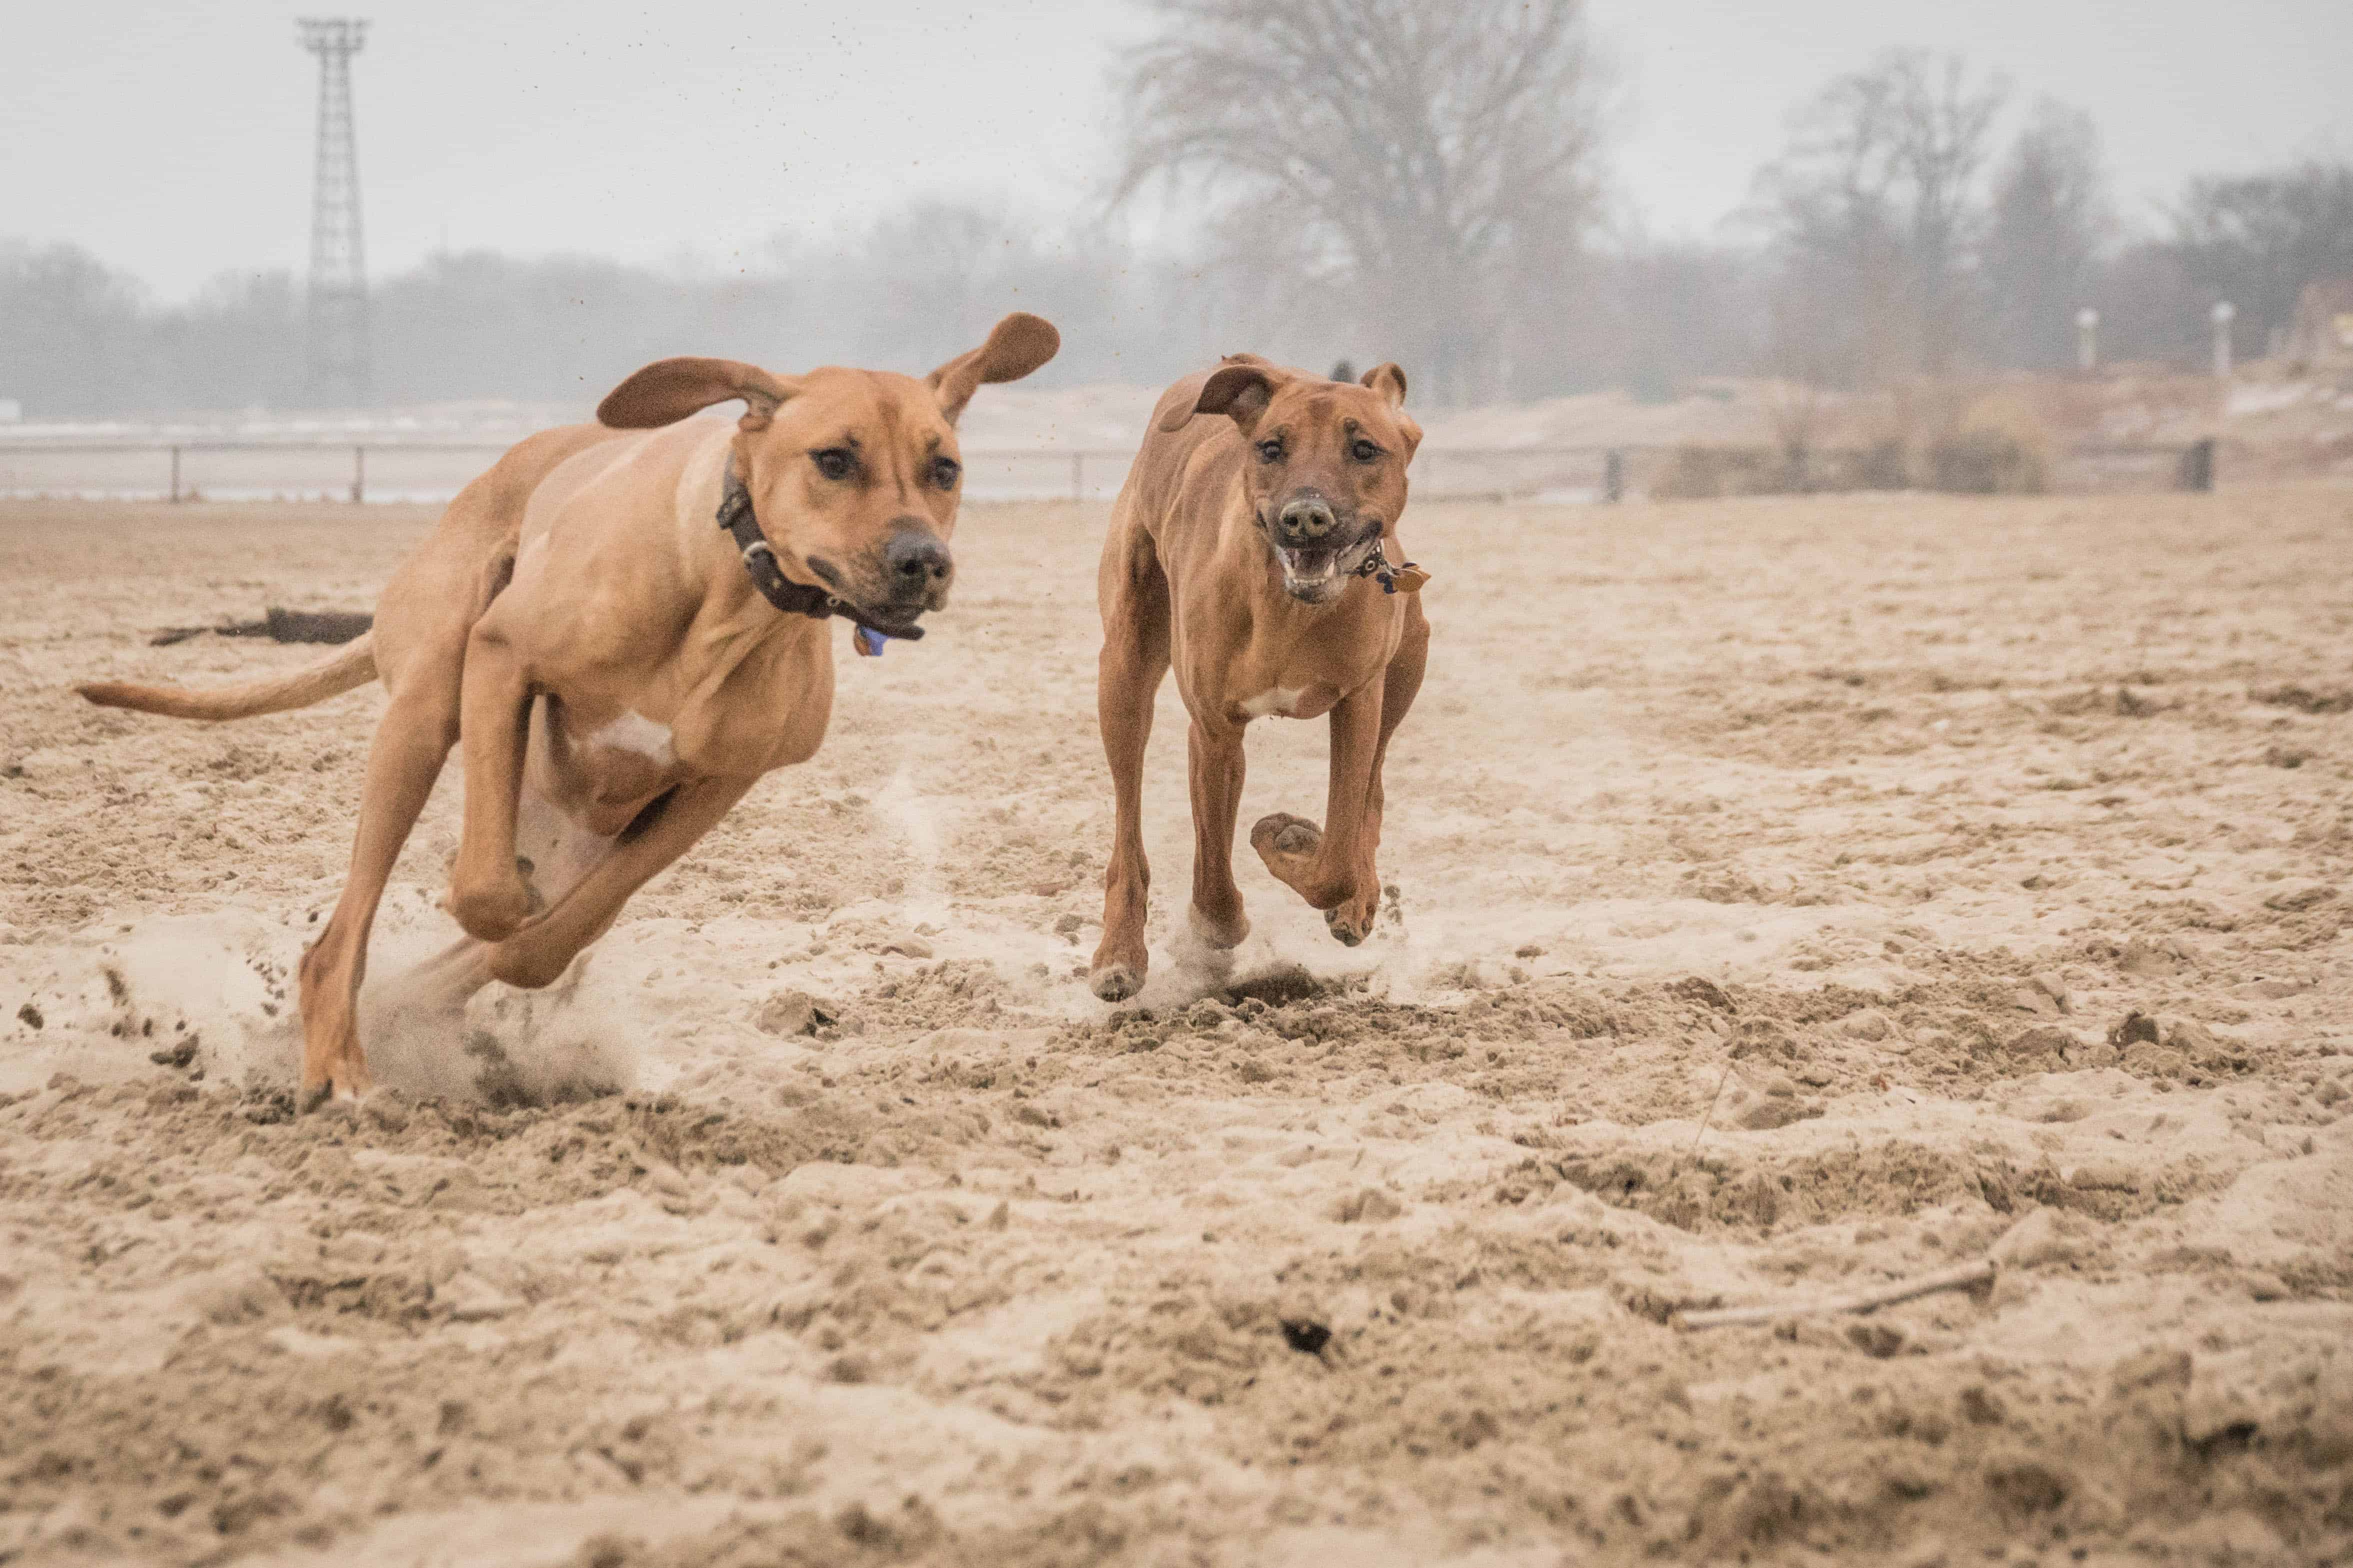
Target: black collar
{"type": "Point", "coordinates": [792, 598]}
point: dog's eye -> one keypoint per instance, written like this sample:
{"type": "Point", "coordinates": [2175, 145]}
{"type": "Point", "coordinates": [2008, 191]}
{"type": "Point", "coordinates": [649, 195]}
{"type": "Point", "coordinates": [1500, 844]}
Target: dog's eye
{"type": "Point", "coordinates": [1270, 451]}
{"type": "Point", "coordinates": [834, 462]}
{"type": "Point", "coordinates": [1363, 451]}
{"type": "Point", "coordinates": [946, 471]}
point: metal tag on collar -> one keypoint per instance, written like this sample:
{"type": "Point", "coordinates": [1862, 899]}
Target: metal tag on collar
{"type": "Point", "coordinates": [1406, 577]}
{"type": "Point", "coordinates": [869, 641]}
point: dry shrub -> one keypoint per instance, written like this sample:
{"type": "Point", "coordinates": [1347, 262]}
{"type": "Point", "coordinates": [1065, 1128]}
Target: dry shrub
{"type": "Point", "coordinates": [1881, 465]}
{"type": "Point", "coordinates": [1934, 434]}
{"type": "Point", "coordinates": [1700, 472]}
{"type": "Point", "coordinates": [1800, 412]}
{"type": "Point", "coordinates": [1998, 447]}
{"type": "Point", "coordinates": [1918, 414]}
{"type": "Point", "coordinates": [1946, 436]}
{"type": "Point", "coordinates": [1984, 463]}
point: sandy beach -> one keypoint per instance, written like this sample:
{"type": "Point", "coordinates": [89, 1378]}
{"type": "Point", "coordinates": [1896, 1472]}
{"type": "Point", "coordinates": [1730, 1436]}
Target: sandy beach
{"type": "Point", "coordinates": [1788, 897]}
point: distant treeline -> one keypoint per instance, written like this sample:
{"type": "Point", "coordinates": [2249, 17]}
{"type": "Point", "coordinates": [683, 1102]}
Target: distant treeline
{"type": "Point", "coordinates": [1910, 228]}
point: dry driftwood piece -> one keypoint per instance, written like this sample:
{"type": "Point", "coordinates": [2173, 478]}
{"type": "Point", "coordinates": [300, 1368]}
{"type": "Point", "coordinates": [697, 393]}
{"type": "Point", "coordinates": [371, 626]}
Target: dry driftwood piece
{"type": "Point", "coordinates": [1962, 1277]}
{"type": "Point", "coordinates": [280, 626]}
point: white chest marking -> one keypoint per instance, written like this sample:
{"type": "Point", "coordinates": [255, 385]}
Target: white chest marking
{"type": "Point", "coordinates": [1279, 700]}
{"type": "Point", "coordinates": [636, 732]}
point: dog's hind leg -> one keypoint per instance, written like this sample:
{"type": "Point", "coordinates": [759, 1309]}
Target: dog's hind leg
{"type": "Point", "coordinates": [419, 727]}
{"type": "Point", "coordinates": [1134, 592]}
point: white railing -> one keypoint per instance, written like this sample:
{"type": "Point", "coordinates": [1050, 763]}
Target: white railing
{"type": "Point", "coordinates": [394, 469]}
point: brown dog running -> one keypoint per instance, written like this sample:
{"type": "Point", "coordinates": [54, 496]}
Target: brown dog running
{"type": "Point", "coordinates": [1249, 548]}
{"type": "Point", "coordinates": [599, 622]}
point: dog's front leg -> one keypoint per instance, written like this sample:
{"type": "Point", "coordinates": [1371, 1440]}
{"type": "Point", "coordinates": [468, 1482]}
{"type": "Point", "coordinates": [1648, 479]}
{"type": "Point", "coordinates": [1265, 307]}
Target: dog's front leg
{"type": "Point", "coordinates": [539, 952]}
{"type": "Point", "coordinates": [1326, 865]}
{"type": "Point", "coordinates": [1214, 756]}
{"type": "Point", "coordinates": [1398, 689]}
{"type": "Point", "coordinates": [486, 891]}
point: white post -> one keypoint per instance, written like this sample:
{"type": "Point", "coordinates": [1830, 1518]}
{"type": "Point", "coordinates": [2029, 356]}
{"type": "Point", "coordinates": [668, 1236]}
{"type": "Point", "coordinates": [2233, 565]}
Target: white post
{"type": "Point", "coordinates": [2224, 313]}
{"type": "Point", "coordinates": [2087, 340]}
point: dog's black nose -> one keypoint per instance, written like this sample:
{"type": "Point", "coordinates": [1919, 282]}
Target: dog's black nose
{"type": "Point", "coordinates": [1305, 521]}
{"type": "Point", "coordinates": [917, 562]}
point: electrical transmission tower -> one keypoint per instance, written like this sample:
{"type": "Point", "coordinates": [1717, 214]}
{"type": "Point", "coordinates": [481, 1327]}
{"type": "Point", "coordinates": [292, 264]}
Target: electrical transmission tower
{"type": "Point", "coordinates": [338, 346]}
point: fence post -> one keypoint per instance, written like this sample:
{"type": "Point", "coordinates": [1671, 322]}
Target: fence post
{"type": "Point", "coordinates": [1613, 476]}
{"type": "Point", "coordinates": [176, 472]}
{"type": "Point", "coordinates": [359, 474]}
{"type": "Point", "coordinates": [2195, 471]}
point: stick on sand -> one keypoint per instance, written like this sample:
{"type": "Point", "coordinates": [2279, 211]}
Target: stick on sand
{"type": "Point", "coordinates": [280, 626]}
{"type": "Point", "coordinates": [1963, 1277]}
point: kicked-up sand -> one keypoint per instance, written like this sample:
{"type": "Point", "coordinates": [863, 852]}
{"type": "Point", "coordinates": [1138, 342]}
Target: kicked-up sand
{"type": "Point", "coordinates": [1790, 896]}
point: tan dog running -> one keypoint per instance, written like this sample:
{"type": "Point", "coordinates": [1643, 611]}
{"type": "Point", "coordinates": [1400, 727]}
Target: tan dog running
{"type": "Point", "coordinates": [584, 626]}
{"type": "Point", "coordinates": [1249, 549]}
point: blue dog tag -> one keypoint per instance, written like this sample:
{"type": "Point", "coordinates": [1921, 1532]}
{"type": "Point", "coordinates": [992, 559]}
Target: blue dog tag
{"type": "Point", "coordinates": [869, 641]}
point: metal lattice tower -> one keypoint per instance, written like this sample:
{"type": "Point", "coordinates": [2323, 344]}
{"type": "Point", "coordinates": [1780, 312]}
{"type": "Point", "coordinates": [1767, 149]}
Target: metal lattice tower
{"type": "Point", "coordinates": [338, 345]}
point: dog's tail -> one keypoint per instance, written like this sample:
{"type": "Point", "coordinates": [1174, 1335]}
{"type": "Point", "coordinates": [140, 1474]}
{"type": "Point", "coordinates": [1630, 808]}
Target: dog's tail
{"type": "Point", "coordinates": [352, 665]}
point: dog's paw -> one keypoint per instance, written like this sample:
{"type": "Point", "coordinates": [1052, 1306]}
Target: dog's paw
{"type": "Point", "coordinates": [1215, 935]}
{"type": "Point", "coordinates": [1115, 981]}
{"type": "Point", "coordinates": [337, 1092]}
{"type": "Point", "coordinates": [1281, 836]}
{"type": "Point", "coordinates": [333, 1105]}
{"type": "Point", "coordinates": [496, 910]}
{"type": "Point", "coordinates": [1349, 923]}
{"type": "Point", "coordinates": [1202, 951]}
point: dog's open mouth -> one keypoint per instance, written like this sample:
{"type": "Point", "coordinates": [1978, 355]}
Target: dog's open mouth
{"type": "Point", "coordinates": [1316, 574]}
{"type": "Point", "coordinates": [1309, 569]}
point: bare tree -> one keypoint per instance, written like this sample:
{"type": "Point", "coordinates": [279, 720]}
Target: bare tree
{"type": "Point", "coordinates": [69, 330]}
{"type": "Point", "coordinates": [2050, 218]}
{"type": "Point", "coordinates": [2257, 239]}
{"type": "Point", "coordinates": [1872, 209]}
{"type": "Point", "coordinates": [1394, 161]}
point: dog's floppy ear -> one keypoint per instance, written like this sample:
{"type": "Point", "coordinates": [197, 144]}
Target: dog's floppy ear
{"type": "Point", "coordinates": [1241, 387]}
{"type": "Point", "coordinates": [668, 390]}
{"type": "Point", "coordinates": [1016, 346]}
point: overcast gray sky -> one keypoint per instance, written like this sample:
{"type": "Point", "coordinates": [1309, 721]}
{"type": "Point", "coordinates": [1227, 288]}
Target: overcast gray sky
{"type": "Point", "coordinates": [174, 139]}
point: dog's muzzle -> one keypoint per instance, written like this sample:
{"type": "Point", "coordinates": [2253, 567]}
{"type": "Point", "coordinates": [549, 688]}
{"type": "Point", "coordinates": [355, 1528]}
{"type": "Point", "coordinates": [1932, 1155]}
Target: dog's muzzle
{"type": "Point", "coordinates": [1317, 551]}
{"type": "Point", "coordinates": [916, 571]}
{"type": "Point", "coordinates": [908, 575]}
{"type": "Point", "coordinates": [1305, 522]}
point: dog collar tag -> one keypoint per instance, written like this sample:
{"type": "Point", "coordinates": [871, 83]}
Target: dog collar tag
{"type": "Point", "coordinates": [869, 641]}
{"type": "Point", "coordinates": [1406, 579]}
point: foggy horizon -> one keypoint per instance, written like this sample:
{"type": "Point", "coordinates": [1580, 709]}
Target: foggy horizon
{"type": "Point", "coordinates": [692, 147]}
